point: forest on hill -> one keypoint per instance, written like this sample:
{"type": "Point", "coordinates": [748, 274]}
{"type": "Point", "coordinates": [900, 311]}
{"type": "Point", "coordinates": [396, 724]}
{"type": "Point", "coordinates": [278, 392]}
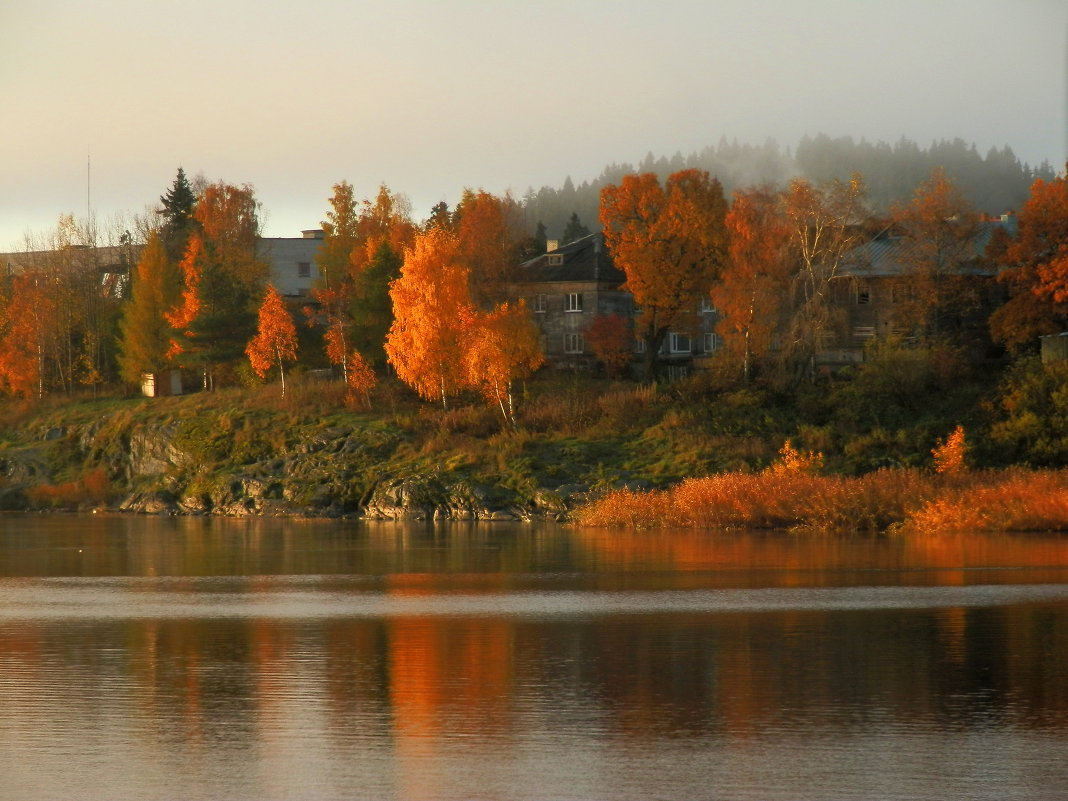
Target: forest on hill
{"type": "Point", "coordinates": [993, 184]}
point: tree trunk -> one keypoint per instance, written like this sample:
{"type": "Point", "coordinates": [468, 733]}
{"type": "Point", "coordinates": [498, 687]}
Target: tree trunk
{"type": "Point", "coordinates": [281, 370]}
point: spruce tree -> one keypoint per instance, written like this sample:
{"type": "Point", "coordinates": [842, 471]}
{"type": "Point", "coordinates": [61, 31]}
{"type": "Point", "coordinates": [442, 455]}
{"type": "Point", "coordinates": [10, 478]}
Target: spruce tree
{"type": "Point", "coordinates": [575, 230]}
{"type": "Point", "coordinates": [178, 205]}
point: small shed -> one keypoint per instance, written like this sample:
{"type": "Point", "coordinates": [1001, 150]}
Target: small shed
{"type": "Point", "coordinates": [158, 385]}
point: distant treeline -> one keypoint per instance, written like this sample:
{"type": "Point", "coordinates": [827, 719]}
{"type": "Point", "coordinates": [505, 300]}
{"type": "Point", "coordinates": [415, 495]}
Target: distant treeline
{"type": "Point", "coordinates": [995, 183]}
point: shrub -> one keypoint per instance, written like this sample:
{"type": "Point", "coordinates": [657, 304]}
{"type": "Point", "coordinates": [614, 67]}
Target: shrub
{"type": "Point", "coordinates": [92, 488]}
{"type": "Point", "coordinates": [949, 455]}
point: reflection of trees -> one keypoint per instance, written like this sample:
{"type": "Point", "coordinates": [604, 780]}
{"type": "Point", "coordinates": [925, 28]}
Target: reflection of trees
{"type": "Point", "coordinates": [421, 684]}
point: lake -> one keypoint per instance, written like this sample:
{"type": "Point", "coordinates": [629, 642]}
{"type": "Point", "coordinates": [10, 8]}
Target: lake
{"type": "Point", "coordinates": [191, 658]}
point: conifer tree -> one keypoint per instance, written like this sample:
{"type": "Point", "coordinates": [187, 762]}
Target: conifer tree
{"type": "Point", "coordinates": [179, 202]}
{"type": "Point", "coordinates": [575, 230]}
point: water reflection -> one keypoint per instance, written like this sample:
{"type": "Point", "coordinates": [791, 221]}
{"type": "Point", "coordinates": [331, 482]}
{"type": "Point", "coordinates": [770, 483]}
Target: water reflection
{"type": "Point", "coordinates": [203, 660]}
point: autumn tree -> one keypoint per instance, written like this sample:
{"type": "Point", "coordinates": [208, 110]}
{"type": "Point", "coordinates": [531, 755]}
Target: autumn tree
{"type": "Point", "coordinates": [145, 336]}
{"type": "Point", "coordinates": [359, 380]}
{"type": "Point", "coordinates": [824, 221]}
{"type": "Point", "coordinates": [432, 314]}
{"type": "Point", "coordinates": [275, 342]}
{"type": "Point", "coordinates": [222, 276]}
{"type": "Point", "coordinates": [753, 284]}
{"type": "Point", "coordinates": [612, 341]}
{"type": "Point", "coordinates": [939, 228]}
{"type": "Point", "coordinates": [27, 327]}
{"type": "Point", "coordinates": [489, 229]}
{"type": "Point", "coordinates": [386, 219]}
{"type": "Point", "coordinates": [1036, 272]}
{"type": "Point", "coordinates": [670, 241]}
{"type": "Point", "coordinates": [503, 348]}
{"type": "Point", "coordinates": [332, 292]}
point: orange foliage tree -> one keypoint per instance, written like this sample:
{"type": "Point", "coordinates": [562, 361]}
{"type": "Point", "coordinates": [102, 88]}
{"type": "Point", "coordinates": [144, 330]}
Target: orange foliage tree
{"type": "Point", "coordinates": [670, 241]}
{"type": "Point", "coordinates": [432, 316]}
{"type": "Point", "coordinates": [939, 227]}
{"type": "Point", "coordinates": [332, 292]}
{"type": "Point", "coordinates": [612, 341]}
{"type": "Point", "coordinates": [503, 348]}
{"type": "Point", "coordinates": [753, 285]}
{"type": "Point", "coordinates": [27, 320]}
{"type": "Point", "coordinates": [276, 338]}
{"type": "Point", "coordinates": [360, 256]}
{"type": "Point", "coordinates": [223, 277]}
{"type": "Point", "coordinates": [489, 230]}
{"type": "Point", "coordinates": [360, 380]}
{"type": "Point", "coordinates": [949, 456]}
{"type": "Point", "coordinates": [1037, 269]}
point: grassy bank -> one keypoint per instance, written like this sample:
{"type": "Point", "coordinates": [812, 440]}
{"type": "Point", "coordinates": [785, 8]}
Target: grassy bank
{"type": "Point", "coordinates": [689, 453]}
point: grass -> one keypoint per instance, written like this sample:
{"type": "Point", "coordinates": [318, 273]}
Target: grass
{"type": "Point", "coordinates": [886, 500]}
{"type": "Point", "coordinates": [571, 430]}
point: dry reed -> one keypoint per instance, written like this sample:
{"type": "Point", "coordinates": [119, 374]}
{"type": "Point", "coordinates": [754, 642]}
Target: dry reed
{"type": "Point", "coordinates": [912, 500]}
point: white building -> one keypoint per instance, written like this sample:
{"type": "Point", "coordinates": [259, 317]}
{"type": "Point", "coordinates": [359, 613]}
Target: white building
{"type": "Point", "coordinates": [292, 259]}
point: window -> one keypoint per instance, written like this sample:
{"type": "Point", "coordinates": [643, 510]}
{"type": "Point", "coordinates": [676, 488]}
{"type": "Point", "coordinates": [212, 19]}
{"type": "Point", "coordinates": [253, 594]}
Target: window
{"type": "Point", "coordinates": [707, 307]}
{"type": "Point", "coordinates": [538, 304]}
{"type": "Point", "coordinates": [862, 333]}
{"type": "Point", "coordinates": [555, 259]}
{"type": "Point", "coordinates": [574, 302]}
{"type": "Point", "coordinates": [863, 295]}
{"type": "Point", "coordinates": [573, 343]}
{"type": "Point", "coordinates": [678, 343]}
{"type": "Point", "coordinates": [304, 269]}
{"type": "Point", "coordinates": [639, 345]}
{"type": "Point", "coordinates": [712, 342]}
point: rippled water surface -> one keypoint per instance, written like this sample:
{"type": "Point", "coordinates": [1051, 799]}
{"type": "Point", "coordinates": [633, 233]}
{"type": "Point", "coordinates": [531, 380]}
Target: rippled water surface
{"type": "Point", "coordinates": [145, 658]}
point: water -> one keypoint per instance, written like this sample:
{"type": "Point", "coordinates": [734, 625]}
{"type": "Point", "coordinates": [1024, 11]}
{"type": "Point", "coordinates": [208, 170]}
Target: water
{"type": "Point", "coordinates": [145, 658]}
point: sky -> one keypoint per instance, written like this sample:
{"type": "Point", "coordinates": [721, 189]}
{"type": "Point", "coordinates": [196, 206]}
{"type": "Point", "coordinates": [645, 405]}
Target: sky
{"type": "Point", "coordinates": [103, 101]}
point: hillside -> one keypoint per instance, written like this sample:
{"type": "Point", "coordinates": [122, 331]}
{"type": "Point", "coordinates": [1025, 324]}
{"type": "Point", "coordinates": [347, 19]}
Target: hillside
{"type": "Point", "coordinates": [247, 451]}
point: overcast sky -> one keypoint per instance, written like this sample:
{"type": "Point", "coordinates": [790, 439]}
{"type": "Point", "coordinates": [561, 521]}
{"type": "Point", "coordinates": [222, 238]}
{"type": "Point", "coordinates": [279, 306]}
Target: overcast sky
{"type": "Point", "coordinates": [432, 96]}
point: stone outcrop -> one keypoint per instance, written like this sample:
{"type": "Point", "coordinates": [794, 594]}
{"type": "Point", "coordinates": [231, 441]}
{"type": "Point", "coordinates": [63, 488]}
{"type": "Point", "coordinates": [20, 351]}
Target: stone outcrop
{"type": "Point", "coordinates": [336, 472]}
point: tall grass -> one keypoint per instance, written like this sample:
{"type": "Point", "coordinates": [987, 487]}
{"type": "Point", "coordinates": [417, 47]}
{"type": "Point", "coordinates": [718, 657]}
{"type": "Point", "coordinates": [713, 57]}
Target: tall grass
{"type": "Point", "coordinates": [902, 499]}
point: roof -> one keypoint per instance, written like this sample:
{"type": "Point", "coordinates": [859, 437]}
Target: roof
{"type": "Point", "coordinates": [888, 255]}
{"type": "Point", "coordinates": [584, 260]}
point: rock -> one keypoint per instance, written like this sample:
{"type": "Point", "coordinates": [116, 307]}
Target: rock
{"type": "Point", "coordinates": [152, 503]}
{"type": "Point", "coordinates": [152, 452]}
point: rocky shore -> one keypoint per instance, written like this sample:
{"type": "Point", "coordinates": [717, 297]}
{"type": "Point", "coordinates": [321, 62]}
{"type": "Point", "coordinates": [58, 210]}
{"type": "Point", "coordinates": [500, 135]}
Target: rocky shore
{"type": "Point", "coordinates": [338, 472]}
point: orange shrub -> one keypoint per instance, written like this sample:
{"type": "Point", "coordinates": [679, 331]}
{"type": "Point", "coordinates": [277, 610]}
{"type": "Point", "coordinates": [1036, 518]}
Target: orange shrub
{"type": "Point", "coordinates": [949, 455]}
{"type": "Point", "coordinates": [91, 488]}
{"type": "Point", "coordinates": [1009, 500]}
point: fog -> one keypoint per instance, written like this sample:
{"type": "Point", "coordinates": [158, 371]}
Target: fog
{"type": "Point", "coordinates": [430, 97]}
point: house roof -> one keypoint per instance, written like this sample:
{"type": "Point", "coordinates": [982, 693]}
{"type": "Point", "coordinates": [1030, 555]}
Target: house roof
{"type": "Point", "coordinates": [889, 255]}
{"type": "Point", "coordinates": [584, 259]}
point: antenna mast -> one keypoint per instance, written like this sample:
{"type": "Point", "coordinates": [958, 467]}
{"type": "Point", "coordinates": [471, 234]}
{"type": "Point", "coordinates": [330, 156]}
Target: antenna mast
{"type": "Point", "coordinates": [89, 227]}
